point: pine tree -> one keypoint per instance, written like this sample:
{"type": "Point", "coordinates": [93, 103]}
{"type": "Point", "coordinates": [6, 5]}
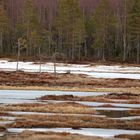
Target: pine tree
{"type": "Point", "coordinates": [4, 25]}
{"type": "Point", "coordinates": [126, 6]}
{"type": "Point", "coordinates": [134, 26]}
{"type": "Point", "coordinates": [69, 27]}
{"type": "Point", "coordinates": [30, 24]}
{"type": "Point", "coordinates": [103, 21]}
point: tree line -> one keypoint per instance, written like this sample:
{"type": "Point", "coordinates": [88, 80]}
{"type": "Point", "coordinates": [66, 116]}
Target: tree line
{"type": "Point", "coordinates": [106, 34]}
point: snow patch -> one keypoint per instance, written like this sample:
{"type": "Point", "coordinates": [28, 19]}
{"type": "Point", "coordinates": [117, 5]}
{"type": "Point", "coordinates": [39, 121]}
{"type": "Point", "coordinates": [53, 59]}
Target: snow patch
{"type": "Point", "coordinates": [101, 71]}
{"type": "Point", "coordinates": [82, 131]}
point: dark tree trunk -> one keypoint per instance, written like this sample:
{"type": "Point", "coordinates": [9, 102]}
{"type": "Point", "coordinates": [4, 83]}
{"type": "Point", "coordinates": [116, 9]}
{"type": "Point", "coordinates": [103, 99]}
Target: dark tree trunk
{"type": "Point", "coordinates": [138, 52]}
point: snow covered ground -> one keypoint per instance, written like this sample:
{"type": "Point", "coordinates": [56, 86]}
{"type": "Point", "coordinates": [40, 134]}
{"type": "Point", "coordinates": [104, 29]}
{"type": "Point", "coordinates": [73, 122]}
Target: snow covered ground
{"type": "Point", "coordinates": [83, 131]}
{"type": "Point", "coordinates": [101, 71]}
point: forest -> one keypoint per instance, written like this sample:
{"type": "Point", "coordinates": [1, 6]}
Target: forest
{"type": "Point", "coordinates": [71, 30]}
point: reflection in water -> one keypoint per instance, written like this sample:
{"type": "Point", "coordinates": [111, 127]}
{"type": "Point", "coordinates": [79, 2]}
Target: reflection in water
{"type": "Point", "coordinates": [114, 114]}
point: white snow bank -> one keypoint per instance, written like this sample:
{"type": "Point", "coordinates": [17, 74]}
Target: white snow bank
{"type": "Point", "coordinates": [128, 118]}
{"type": "Point", "coordinates": [50, 114]}
{"type": "Point", "coordinates": [101, 71]}
{"type": "Point", "coordinates": [83, 131]}
{"type": "Point", "coordinates": [6, 122]}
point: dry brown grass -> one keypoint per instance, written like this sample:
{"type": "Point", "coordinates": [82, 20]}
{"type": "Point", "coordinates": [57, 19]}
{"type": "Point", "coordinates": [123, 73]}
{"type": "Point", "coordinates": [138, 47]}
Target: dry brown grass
{"type": "Point", "coordinates": [2, 113]}
{"type": "Point", "coordinates": [130, 137]}
{"type": "Point", "coordinates": [2, 128]}
{"type": "Point", "coordinates": [135, 112]}
{"type": "Point", "coordinates": [124, 96]}
{"type": "Point", "coordinates": [131, 98]}
{"type": "Point", "coordinates": [135, 90]}
{"type": "Point", "coordinates": [51, 108]}
{"type": "Point", "coordinates": [70, 121]}
{"type": "Point", "coordinates": [65, 82]}
{"type": "Point", "coordinates": [75, 98]}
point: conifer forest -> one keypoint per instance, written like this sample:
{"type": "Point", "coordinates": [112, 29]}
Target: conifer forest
{"type": "Point", "coordinates": [74, 30]}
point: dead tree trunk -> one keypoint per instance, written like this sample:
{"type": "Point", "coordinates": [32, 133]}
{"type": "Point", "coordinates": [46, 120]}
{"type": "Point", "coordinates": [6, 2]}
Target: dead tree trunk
{"type": "Point", "coordinates": [18, 56]}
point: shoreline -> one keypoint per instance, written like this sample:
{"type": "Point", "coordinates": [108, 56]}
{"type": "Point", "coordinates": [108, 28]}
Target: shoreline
{"type": "Point", "coordinates": [73, 89]}
{"type": "Point", "coordinates": [87, 62]}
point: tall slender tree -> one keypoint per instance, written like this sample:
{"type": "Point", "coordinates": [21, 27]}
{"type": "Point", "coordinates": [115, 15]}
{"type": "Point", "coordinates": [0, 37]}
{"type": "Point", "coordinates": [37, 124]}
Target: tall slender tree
{"type": "Point", "coordinates": [125, 8]}
{"type": "Point", "coordinates": [103, 20]}
{"type": "Point", "coordinates": [30, 24]}
{"type": "Point", "coordinates": [4, 24]}
{"type": "Point", "coordinates": [134, 27]}
{"type": "Point", "coordinates": [70, 27]}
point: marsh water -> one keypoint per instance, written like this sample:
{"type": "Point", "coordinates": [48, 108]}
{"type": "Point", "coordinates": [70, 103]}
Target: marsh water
{"type": "Point", "coordinates": [27, 96]}
{"type": "Point", "coordinates": [118, 111]}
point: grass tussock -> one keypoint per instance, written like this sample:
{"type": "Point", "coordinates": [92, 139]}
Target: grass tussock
{"type": "Point", "coordinates": [109, 98]}
{"type": "Point", "coordinates": [130, 137]}
{"type": "Point", "coordinates": [124, 96]}
{"type": "Point", "coordinates": [47, 121]}
{"type": "Point", "coordinates": [70, 82]}
{"type": "Point", "coordinates": [72, 108]}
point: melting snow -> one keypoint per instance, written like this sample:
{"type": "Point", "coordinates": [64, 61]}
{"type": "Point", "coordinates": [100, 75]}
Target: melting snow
{"type": "Point", "coordinates": [92, 71]}
{"type": "Point", "coordinates": [83, 131]}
